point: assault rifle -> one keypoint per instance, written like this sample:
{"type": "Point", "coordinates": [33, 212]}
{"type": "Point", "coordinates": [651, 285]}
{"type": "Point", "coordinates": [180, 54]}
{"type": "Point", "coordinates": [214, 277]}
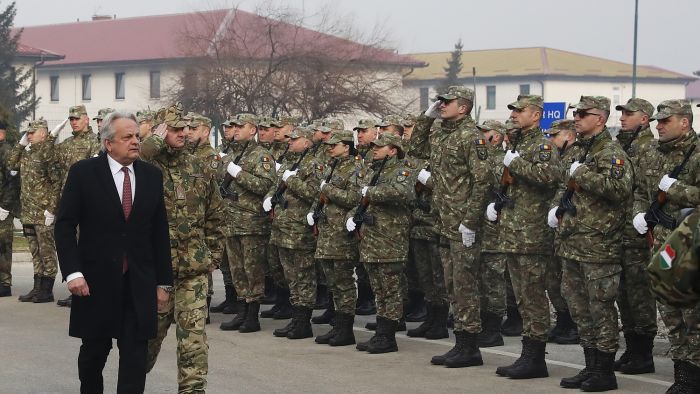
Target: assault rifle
{"type": "Point", "coordinates": [318, 214]}
{"type": "Point", "coordinates": [359, 217]}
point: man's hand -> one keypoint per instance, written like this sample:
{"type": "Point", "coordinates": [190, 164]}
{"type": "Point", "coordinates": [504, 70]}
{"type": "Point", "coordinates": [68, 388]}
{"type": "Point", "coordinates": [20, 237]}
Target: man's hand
{"type": "Point", "coordinates": [640, 224]}
{"type": "Point", "coordinates": [350, 225]}
{"type": "Point", "coordinates": [3, 214]}
{"type": "Point", "coordinates": [508, 158]}
{"type": "Point", "coordinates": [434, 110]}
{"type": "Point", "coordinates": [57, 130]}
{"type": "Point", "coordinates": [48, 218]}
{"type": "Point", "coordinates": [310, 218]}
{"type": "Point", "coordinates": [161, 130]}
{"type": "Point", "coordinates": [468, 236]}
{"type": "Point", "coordinates": [288, 174]}
{"type": "Point", "coordinates": [163, 297]}
{"type": "Point", "coordinates": [364, 191]}
{"type": "Point", "coordinates": [25, 140]}
{"type": "Point", "coordinates": [79, 287]}
{"type": "Point", "coordinates": [666, 182]}
{"type": "Point", "coordinates": [233, 169]}
{"type": "Point", "coordinates": [491, 213]}
{"type": "Point", "coordinates": [552, 220]}
{"type": "Point", "coordinates": [574, 166]}
{"type": "Point", "coordinates": [423, 176]}
{"type": "Point", "coordinates": [267, 204]}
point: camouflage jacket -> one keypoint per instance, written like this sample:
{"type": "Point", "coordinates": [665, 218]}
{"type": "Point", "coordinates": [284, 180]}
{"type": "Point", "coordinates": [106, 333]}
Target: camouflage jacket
{"type": "Point", "coordinates": [343, 192]}
{"type": "Point", "coordinates": [658, 161]}
{"type": "Point", "coordinates": [320, 153]}
{"type": "Point", "coordinates": [572, 153]}
{"type": "Point", "coordinates": [277, 150]}
{"type": "Point", "coordinates": [639, 148]}
{"type": "Point", "coordinates": [422, 215]}
{"type": "Point", "coordinates": [385, 235]}
{"type": "Point", "coordinates": [460, 171]}
{"type": "Point", "coordinates": [289, 227]}
{"type": "Point", "coordinates": [490, 229]}
{"type": "Point", "coordinates": [536, 173]}
{"type": "Point", "coordinates": [594, 234]}
{"type": "Point", "coordinates": [207, 156]}
{"type": "Point", "coordinates": [40, 184]}
{"type": "Point", "coordinates": [9, 184]}
{"type": "Point", "coordinates": [193, 205]}
{"type": "Point", "coordinates": [81, 145]}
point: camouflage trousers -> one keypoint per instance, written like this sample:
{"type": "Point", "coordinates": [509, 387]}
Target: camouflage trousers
{"type": "Point", "coordinates": [341, 283]}
{"type": "Point", "coordinates": [362, 275]}
{"type": "Point", "coordinates": [273, 266]}
{"type": "Point", "coordinates": [6, 233]}
{"type": "Point", "coordinates": [590, 290]}
{"type": "Point", "coordinates": [461, 267]}
{"type": "Point", "coordinates": [492, 283]}
{"type": "Point", "coordinates": [510, 294]}
{"type": "Point", "coordinates": [187, 308]}
{"type": "Point", "coordinates": [553, 281]}
{"type": "Point", "coordinates": [246, 257]}
{"type": "Point", "coordinates": [527, 273]}
{"type": "Point", "coordinates": [320, 275]}
{"type": "Point", "coordinates": [43, 248]}
{"type": "Point", "coordinates": [226, 268]}
{"type": "Point", "coordinates": [635, 299]}
{"type": "Point", "coordinates": [683, 332]}
{"type": "Point", "coordinates": [425, 256]}
{"type": "Point", "coordinates": [389, 286]}
{"type": "Point", "coordinates": [300, 273]}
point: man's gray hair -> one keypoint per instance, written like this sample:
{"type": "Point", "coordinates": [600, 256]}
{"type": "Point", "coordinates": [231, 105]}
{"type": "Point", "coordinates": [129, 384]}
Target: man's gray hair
{"type": "Point", "coordinates": [107, 131]}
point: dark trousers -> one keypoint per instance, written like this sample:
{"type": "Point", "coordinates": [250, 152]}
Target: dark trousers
{"type": "Point", "coordinates": [132, 356]}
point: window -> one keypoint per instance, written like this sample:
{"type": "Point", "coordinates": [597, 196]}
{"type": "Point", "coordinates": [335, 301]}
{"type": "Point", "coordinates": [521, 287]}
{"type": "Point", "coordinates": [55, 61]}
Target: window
{"type": "Point", "coordinates": [490, 97]}
{"type": "Point", "coordinates": [155, 84]}
{"type": "Point", "coordinates": [525, 89]}
{"type": "Point", "coordinates": [119, 86]}
{"type": "Point", "coordinates": [87, 87]}
{"type": "Point", "coordinates": [423, 98]}
{"type": "Point", "coordinates": [54, 87]}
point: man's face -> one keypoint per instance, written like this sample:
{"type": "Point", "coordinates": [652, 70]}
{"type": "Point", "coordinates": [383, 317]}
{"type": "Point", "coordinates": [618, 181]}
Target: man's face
{"type": "Point", "coordinates": [228, 133]}
{"type": "Point", "coordinates": [243, 132]}
{"type": "Point", "coordinates": [408, 132]}
{"type": "Point", "coordinates": [298, 144]}
{"type": "Point", "coordinates": [672, 127]}
{"type": "Point", "coordinates": [144, 129]}
{"type": "Point", "coordinates": [380, 152]}
{"type": "Point", "coordinates": [175, 137]}
{"type": "Point", "coordinates": [99, 123]}
{"type": "Point", "coordinates": [391, 129]}
{"type": "Point", "coordinates": [79, 124]}
{"type": "Point", "coordinates": [3, 135]}
{"type": "Point", "coordinates": [562, 136]}
{"type": "Point", "coordinates": [321, 136]}
{"type": "Point", "coordinates": [630, 120]}
{"type": "Point", "coordinates": [587, 121]}
{"type": "Point", "coordinates": [282, 132]}
{"type": "Point", "coordinates": [493, 137]}
{"type": "Point", "coordinates": [526, 118]}
{"type": "Point", "coordinates": [338, 150]}
{"type": "Point", "coordinates": [451, 110]}
{"type": "Point", "coordinates": [199, 134]}
{"type": "Point", "coordinates": [266, 134]}
{"type": "Point", "coordinates": [37, 135]}
{"type": "Point", "coordinates": [366, 136]}
{"type": "Point", "coordinates": [124, 146]}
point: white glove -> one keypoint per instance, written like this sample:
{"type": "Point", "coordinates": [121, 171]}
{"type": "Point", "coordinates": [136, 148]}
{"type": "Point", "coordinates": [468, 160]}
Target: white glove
{"type": "Point", "coordinates": [267, 204]}
{"type": "Point", "coordinates": [4, 214]}
{"type": "Point", "coordinates": [510, 155]}
{"type": "Point", "coordinates": [286, 174]}
{"type": "Point", "coordinates": [222, 155]}
{"type": "Point", "coordinates": [25, 140]}
{"type": "Point", "coordinates": [552, 219]}
{"type": "Point", "coordinates": [364, 190]}
{"type": "Point", "coordinates": [423, 176]}
{"type": "Point", "coordinates": [277, 166]}
{"type": "Point", "coordinates": [13, 173]}
{"type": "Point", "coordinates": [574, 166]}
{"type": "Point", "coordinates": [233, 169]}
{"type": "Point", "coordinates": [310, 218]}
{"type": "Point", "coordinates": [323, 183]}
{"type": "Point", "coordinates": [161, 130]}
{"type": "Point", "coordinates": [468, 236]}
{"type": "Point", "coordinates": [57, 130]}
{"type": "Point", "coordinates": [350, 225]}
{"type": "Point", "coordinates": [491, 213]}
{"type": "Point", "coordinates": [434, 110]}
{"type": "Point", "coordinates": [49, 218]}
{"type": "Point", "coordinates": [666, 182]}
{"type": "Point", "coordinates": [640, 224]}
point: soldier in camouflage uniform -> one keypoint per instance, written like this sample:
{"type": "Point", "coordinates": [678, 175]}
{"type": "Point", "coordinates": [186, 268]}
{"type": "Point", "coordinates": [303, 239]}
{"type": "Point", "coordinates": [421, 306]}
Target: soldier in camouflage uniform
{"type": "Point", "coordinates": [40, 190]}
{"type": "Point", "coordinates": [145, 120]}
{"type": "Point", "coordinates": [676, 139]}
{"type": "Point", "coordinates": [101, 115]}
{"type": "Point", "coordinates": [9, 209]}
{"type": "Point", "coordinates": [384, 236]}
{"type": "Point", "coordinates": [408, 123]}
{"type": "Point", "coordinates": [460, 175]}
{"type": "Point", "coordinates": [193, 204]}
{"type": "Point", "coordinates": [635, 300]}
{"type": "Point", "coordinates": [246, 183]}
{"type": "Point", "coordinates": [589, 243]}
{"type": "Point", "coordinates": [285, 126]}
{"type": "Point", "coordinates": [335, 249]}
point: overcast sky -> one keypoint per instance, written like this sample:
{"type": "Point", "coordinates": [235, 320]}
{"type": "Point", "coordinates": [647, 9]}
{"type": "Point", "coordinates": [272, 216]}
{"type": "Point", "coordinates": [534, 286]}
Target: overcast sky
{"type": "Point", "coordinates": [602, 28]}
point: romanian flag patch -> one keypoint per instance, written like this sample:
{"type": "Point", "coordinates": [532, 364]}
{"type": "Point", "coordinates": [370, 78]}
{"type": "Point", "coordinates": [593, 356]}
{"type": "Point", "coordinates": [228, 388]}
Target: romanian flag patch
{"type": "Point", "coordinates": [265, 159]}
{"type": "Point", "coordinates": [545, 147]}
{"type": "Point", "coordinates": [618, 162]}
{"type": "Point", "coordinates": [480, 141]}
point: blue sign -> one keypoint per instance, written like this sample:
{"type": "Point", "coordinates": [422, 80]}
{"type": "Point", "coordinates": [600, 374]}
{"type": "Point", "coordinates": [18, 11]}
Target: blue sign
{"type": "Point", "coordinates": [552, 112]}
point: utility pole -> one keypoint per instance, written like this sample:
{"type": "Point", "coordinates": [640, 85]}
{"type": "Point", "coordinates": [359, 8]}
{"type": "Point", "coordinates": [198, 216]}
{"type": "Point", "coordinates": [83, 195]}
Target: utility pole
{"type": "Point", "coordinates": [634, 60]}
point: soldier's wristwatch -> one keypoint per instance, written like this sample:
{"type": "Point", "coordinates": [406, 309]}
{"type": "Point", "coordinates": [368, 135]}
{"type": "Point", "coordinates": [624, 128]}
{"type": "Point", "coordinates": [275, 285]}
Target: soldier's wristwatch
{"type": "Point", "coordinates": [167, 288]}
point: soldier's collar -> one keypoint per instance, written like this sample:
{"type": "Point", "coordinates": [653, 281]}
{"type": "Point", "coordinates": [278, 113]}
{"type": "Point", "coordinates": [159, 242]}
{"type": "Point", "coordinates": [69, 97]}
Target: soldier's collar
{"type": "Point", "coordinates": [681, 143]}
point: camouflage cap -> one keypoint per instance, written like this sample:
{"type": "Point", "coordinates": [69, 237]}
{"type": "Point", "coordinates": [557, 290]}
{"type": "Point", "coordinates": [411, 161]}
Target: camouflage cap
{"type": "Point", "coordinates": [274, 122]}
{"type": "Point", "coordinates": [390, 120]}
{"type": "Point", "coordinates": [102, 113]}
{"type": "Point", "coordinates": [592, 102]}
{"type": "Point", "coordinates": [363, 124]}
{"type": "Point", "coordinates": [494, 125]}
{"type": "Point", "coordinates": [173, 116]}
{"type": "Point", "coordinates": [509, 125]}
{"type": "Point", "coordinates": [340, 136]}
{"type": "Point", "coordinates": [672, 107]}
{"type": "Point", "coordinates": [301, 132]}
{"type": "Point", "coordinates": [287, 119]}
{"type": "Point", "coordinates": [390, 139]}
{"type": "Point", "coordinates": [318, 125]}
{"type": "Point", "coordinates": [454, 92]}
{"type": "Point", "coordinates": [145, 116]}
{"type": "Point", "coordinates": [409, 120]}
{"type": "Point", "coordinates": [265, 122]}
{"type": "Point", "coordinates": [76, 111]}
{"type": "Point", "coordinates": [196, 120]}
{"type": "Point", "coordinates": [334, 124]}
{"type": "Point", "coordinates": [525, 100]}
{"type": "Point", "coordinates": [244, 118]}
{"type": "Point", "coordinates": [559, 125]}
{"type": "Point", "coordinates": [37, 124]}
{"type": "Point", "coordinates": [637, 105]}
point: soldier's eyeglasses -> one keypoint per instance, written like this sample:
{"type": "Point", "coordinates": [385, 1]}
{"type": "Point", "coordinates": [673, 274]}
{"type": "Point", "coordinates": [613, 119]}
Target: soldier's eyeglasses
{"type": "Point", "coordinates": [583, 114]}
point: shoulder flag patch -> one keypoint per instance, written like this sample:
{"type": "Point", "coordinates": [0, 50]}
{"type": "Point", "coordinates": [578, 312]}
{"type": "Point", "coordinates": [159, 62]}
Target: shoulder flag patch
{"type": "Point", "coordinates": [266, 159]}
{"type": "Point", "coordinates": [666, 257]}
{"type": "Point", "coordinates": [618, 162]}
{"type": "Point", "coordinates": [545, 147]}
{"type": "Point", "coordinates": [479, 141]}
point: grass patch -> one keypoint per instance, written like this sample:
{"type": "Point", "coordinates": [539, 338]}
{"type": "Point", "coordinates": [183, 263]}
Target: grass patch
{"type": "Point", "coordinates": [19, 243]}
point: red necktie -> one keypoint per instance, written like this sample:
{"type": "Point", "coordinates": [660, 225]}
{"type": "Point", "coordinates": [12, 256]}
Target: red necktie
{"type": "Point", "coordinates": [126, 205]}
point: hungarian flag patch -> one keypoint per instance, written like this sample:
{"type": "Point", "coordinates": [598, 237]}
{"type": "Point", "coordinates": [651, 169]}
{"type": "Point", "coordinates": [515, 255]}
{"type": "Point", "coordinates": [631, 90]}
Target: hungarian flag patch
{"type": "Point", "coordinates": [666, 257]}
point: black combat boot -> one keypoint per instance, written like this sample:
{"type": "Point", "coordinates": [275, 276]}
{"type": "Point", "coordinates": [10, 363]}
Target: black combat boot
{"type": "Point", "coordinates": [281, 298]}
{"type": "Point", "coordinates": [575, 381]}
{"type": "Point", "coordinates": [251, 323]}
{"type": "Point", "coordinates": [235, 306]}
{"type": "Point", "coordinates": [372, 325]}
{"type": "Point", "coordinates": [602, 374]}
{"type": "Point", "coordinates": [419, 332]}
{"type": "Point", "coordinates": [282, 332]}
{"type": "Point", "coordinates": [345, 334]}
{"type": "Point", "coordinates": [513, 325]}
{"type": "Point", "coordinates": [467, 354]}
{"type": "Point", "coordinates": [438, 329]}
{"type": "Point", "coordinates": [208, 321]}
{"type": "Point", "coordinates": [29, 297]}
{"type": "Point", "coordinates": [365, 305]}
{"type": "Point", "coordinates": [630, 343]}
{"type": "Point", "coordinates": [565, 332]}
{"type": "Point", "coordinates": [325, 338]}
{"type": "Point", "coordinates": [440, 360]}
{"type": "Point", "coordinates": [45, 293]}
{"type": "Point", "coordinates": [270, 297]}
{"type": "Point", "coordinates": [530, 364]}
{"type": "Point", "coordinates": [326, 317]}
{"type": "Point", "coordinates": [302, 328]}
{"type": "Point", "coordinates": [384, 341]}
{"type": "Point", "coordinates": [686, 378]}
{"type": "Point", "coordinates": [227, 301]}
{"type": "Point", "coordinates": [323, 298]}
{"type": "Point", "coordinates": [285, 311]}
{"type": "Point", "coordinates": [490, 334]}
{"type": "Point", "coordinates": [641, 359]}
{"type": "Point", "coordinates": [5, 291]}
{"type": "Point", "coordinates": [67, 302]}
{"type": "Point", "coordinates": [417, 311]}
{"type": "Point", "coordinates": [235, 323]}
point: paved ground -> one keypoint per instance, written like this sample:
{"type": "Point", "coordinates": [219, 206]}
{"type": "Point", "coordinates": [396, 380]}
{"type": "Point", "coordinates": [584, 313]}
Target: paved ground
{"type": "Point", "coordinates": [39, 357]}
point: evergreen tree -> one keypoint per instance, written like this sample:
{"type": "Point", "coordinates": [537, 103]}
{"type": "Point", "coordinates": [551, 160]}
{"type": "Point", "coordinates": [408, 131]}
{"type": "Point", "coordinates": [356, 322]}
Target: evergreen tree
{"type": "Point", "coordinates": [454, 67]}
